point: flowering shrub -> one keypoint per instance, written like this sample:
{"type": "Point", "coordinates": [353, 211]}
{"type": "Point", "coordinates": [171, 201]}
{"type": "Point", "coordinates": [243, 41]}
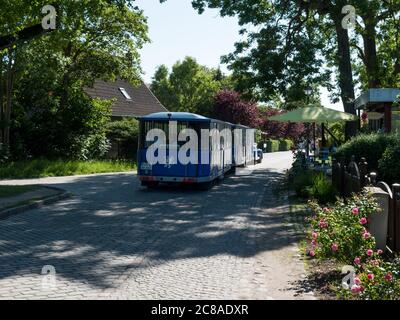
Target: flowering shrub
{"type": "Point", "coordinates": [341, 233]}
{"type": "Point", "coordinates": [375, 279]}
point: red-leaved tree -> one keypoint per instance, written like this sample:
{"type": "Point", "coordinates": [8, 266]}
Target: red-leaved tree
{"type": "Point", "coordinates": [279, 130]}
{"type": "Point", "coordinates": [229, 106]}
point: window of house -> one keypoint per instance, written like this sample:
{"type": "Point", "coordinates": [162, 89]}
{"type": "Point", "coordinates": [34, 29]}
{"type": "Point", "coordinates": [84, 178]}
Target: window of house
{"type": "Point", "coordinates": [125, 94]}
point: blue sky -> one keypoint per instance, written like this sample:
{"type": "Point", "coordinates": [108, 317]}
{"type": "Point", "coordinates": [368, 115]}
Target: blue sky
{"type": "Point", "coordinates": [177, 30]}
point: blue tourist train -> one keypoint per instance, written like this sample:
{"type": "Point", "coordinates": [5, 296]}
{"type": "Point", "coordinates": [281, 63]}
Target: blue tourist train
{"type": "Point", "coordinates": [221, 147]}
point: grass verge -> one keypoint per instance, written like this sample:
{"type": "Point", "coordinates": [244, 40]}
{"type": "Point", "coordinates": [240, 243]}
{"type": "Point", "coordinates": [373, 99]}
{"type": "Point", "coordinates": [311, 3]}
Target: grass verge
{"type": "Point", "coordinates": [39, 168]}
{"type": "Point", "coordinates": [322, 275]}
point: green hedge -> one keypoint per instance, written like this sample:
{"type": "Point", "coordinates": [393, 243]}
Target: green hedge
{"type": "Point", "coordinates": [388, 166]}
{"type": "Point", "coordinates": [279, 145]}
{"type": "Point", "coordinates": [369, 146]}
{"type": "Point", "coordinates": [285, 145]}
{"type": "Point", "coordinates": [272, 146]}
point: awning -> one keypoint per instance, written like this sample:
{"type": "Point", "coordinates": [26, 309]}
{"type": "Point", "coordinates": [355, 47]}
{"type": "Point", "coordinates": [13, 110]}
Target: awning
{"type": "Point", "coordinates": [314, 115]}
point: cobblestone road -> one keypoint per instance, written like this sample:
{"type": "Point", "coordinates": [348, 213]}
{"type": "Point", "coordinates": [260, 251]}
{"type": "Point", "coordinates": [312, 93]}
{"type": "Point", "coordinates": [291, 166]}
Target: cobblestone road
{"type": "Point", "coordinates": [116, 240]}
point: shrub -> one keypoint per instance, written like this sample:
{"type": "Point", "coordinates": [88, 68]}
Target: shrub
{"type": "Point", "coordinates": [302, 183]}
{"type": "Point", "coordinates": [370, 146]}
{"type": "Point", "coordinates": [340, 232]}
{"type": "Point", "coordinates": [272, 146]}
{"type": "Point", "coordinates": [125, 133]}
{"type": "Point", "coordinates": [87, 147]}
{"type": "Point", "coordinates": [311, 185]}
{"type": "Point", "coordinates": [375, 280]}
{"type": "Point", "coordinates": [285, 145]}
{"type": "Point", "coordinates": [388, 165]}
{"type": "Point", "coordinates": [322, 189]}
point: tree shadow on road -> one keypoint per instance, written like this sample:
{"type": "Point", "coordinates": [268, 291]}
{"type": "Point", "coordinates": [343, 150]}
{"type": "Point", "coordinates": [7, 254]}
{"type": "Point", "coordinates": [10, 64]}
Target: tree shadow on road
{"type": "Point", "coordinates": [112, 225]}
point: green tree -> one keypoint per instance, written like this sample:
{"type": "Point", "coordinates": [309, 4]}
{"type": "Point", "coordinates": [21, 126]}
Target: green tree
{"type": "Point", "coordinates": [188, 87]}
{"type": "Point", "coordinates": [43, 80]}
{"type": "Point", "coordinates": [288, 42]}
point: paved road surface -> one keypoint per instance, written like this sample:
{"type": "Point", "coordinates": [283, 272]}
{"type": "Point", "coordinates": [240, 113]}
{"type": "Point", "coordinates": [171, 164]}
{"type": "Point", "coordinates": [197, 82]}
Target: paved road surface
{"type": "Point", "coordinates": [116, 240]}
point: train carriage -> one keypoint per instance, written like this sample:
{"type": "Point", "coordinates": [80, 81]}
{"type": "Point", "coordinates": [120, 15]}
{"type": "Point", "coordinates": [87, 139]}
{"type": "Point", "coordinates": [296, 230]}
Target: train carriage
{"type": "Point", "coordinates": [211, 157]}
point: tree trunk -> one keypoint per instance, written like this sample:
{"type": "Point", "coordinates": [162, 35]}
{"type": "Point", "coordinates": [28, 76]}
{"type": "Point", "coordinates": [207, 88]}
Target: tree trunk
{"type": "Point", "coordinates": [1, 102]}
{"type": "Point", "coordinates": [9, 96]}
{"type": "Point", "coordinates": [345, 74]}
{"type": "Point", "coordinates": [370, 52]}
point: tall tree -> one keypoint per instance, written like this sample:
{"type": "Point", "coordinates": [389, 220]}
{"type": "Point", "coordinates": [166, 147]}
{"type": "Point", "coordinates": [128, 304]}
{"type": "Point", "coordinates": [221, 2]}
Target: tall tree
{"type": "Point", "coordinates": [188, 87]}
{"type": "Point", "coordinates": [94, 39]}
{"type": "Point", "coordinates": [295, 40]}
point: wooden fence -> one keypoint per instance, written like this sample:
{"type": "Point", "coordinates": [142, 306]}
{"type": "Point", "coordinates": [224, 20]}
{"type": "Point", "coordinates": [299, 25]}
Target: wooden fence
{"type": "Point", "coordinates": [352, 178]}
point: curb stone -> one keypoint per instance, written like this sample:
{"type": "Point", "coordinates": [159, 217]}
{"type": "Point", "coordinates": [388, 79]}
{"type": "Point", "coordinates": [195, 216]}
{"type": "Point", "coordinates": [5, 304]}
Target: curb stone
{"type": "Point", "coordinates": [5, 214]}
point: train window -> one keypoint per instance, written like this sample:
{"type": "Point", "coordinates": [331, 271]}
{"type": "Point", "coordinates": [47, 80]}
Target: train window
{"type": "Point", "coordinates": [149, 125]}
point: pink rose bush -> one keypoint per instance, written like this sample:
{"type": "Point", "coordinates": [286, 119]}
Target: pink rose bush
{"type": "Point", "coordinates": [342, 233]}
{"type": "Point", "coordinates": [337, 231]}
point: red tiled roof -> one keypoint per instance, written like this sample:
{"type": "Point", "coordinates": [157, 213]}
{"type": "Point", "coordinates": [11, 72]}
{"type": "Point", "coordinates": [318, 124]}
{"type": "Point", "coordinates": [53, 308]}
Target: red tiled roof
{"type": "Point", "coordinates": [143, 101]}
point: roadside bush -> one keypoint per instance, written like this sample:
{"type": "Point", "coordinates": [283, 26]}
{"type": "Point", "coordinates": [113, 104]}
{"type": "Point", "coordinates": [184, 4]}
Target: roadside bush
{"type": "Point", "coordinates": [370, 146]}
{"type": "Point", "coordinates": [341, 233]}
{"type": "Point", "coordinates": [285, 145]}
{"type": "Point", "coordinates": [272, 146]}
{"type": "Point", "coordinates": [302, 183]}
{"type": "Point", "coordinates": [125, 134]}
{"type": "Point", "coordinates": [87, 147]}
{"type": "Point", "coordinates": [322, 189]}
{"type": "Point", "coordinates": [311, 185]}
{"type": "Point", "coordinates": [389, 168]}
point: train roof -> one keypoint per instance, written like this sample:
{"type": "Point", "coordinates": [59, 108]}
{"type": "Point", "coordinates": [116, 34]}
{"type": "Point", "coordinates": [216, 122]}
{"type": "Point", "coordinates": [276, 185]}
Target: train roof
{"type": "Point", "coordinates": [179, 116]}
{"type": "Point", "coordinates": [185, 116]}
{"type": "Point", "coordinates": [241, 126]}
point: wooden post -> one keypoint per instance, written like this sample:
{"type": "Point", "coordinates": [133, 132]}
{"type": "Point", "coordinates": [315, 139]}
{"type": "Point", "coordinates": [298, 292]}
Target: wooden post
{"type": "Point", "coordinates": [374, 178]}
{"type": "Point", "coordinates": [395, 210]}
{"type": "Point", "coordinates": [388, 117]}
{"type": "Point", "coordinates": [342, 175]}
{"type": "Point", "coordinates": [323, 135]}
{"type": "Point", "coordinates": [363, 167]}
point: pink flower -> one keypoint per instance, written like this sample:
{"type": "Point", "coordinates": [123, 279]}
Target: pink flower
{"type": "Point", "coordinates": [314, 235]}
{"type": "Point", "coordinates": [371, 276]}
{"type": "Point", "coordinates": [375, 263]}
{"type": "Point", "coordinates": [379, 251]}
{"type": "Point", "coordinates": [312, 253]}
{"type": "Point", "coordinates": [357, 260]}
{"type": "Point", "coordinates": [357, 281]}
{"type": "Point", "coordinates": [355, 211]}
{"type": "Point", "coordinates": [314, 243]}
{"type": "Point", "coordinates": [366, 235]}
{"type": "Point", "coordinates": [363, 221]}
{"type": "Point", "coordinates": [370, 252]}
{"type": "Point", "coordinates": [389, 277]}
{"type": "Point", "coordinates": [323, 224]}
{"type": "Point", "coordinates": [334, 247]}
{"type": "Point", "coordinates": [355, 289]}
